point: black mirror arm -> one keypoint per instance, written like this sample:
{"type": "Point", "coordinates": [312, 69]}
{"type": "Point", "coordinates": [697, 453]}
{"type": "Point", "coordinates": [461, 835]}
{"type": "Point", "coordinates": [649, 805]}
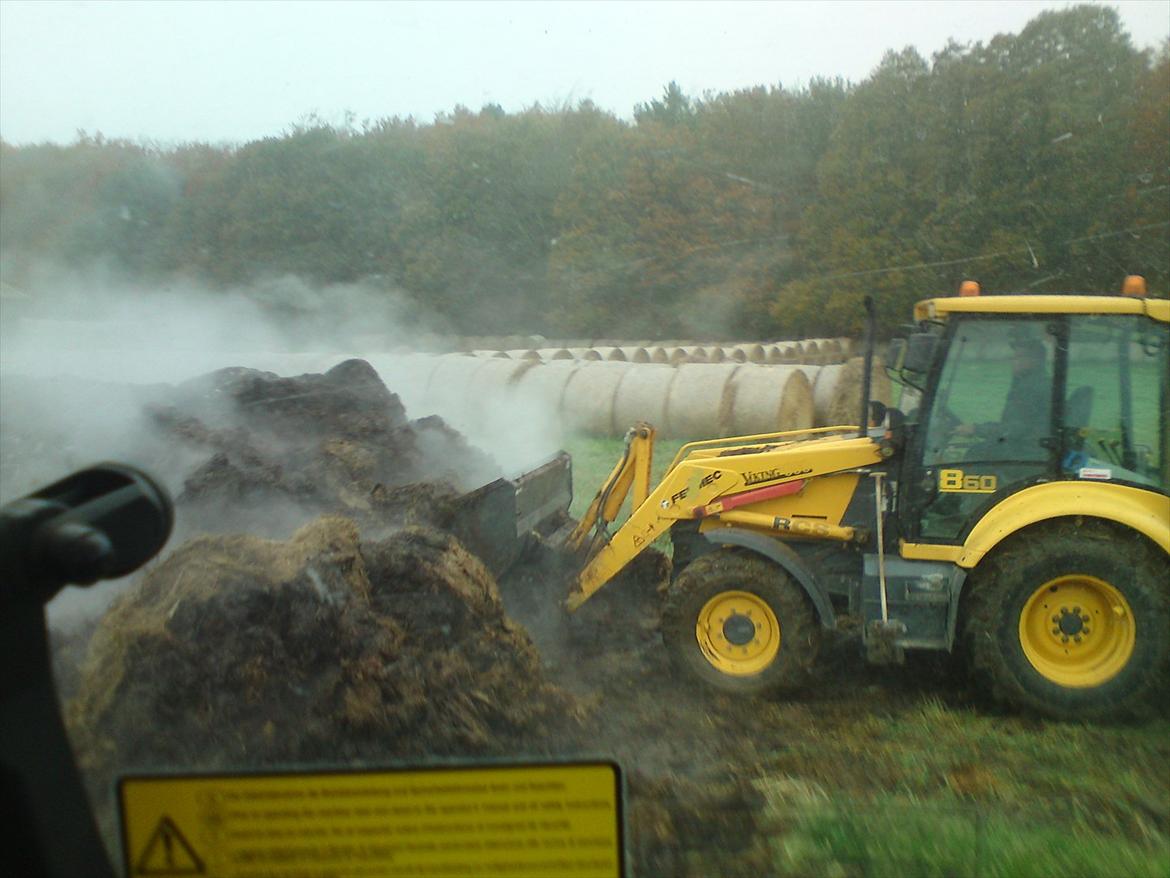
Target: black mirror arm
{"type": "Point", "coordinates": [99, 523]}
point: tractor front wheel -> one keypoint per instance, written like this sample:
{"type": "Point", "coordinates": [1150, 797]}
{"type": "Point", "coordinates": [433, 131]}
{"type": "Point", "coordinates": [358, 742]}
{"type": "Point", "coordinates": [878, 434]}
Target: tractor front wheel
{"type": "Point", "coordinates": [740, 623]}
{"type": "Point", "coordinates": [1071, 620]}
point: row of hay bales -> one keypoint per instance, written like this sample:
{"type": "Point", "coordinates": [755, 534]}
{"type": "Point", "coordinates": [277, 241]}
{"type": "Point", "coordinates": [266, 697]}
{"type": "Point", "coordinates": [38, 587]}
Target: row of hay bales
{"type": "Point", "coordinates": [683, 400]}
{"type": "Point", "coordinates": [813, 351]}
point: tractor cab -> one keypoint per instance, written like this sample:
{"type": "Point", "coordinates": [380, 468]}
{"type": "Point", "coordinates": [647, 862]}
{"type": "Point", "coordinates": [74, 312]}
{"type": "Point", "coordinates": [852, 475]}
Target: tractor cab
{"type": "Point", "coordinates": [1022, 390]}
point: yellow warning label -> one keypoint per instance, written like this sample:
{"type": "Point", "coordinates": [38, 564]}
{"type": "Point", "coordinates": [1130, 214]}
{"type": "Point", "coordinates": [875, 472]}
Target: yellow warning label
{"type": "Point", "coordinates": [500, 821]}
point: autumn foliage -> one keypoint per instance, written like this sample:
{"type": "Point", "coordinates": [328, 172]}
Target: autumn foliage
{"type": "Point", "coordinates": [1039, 161]}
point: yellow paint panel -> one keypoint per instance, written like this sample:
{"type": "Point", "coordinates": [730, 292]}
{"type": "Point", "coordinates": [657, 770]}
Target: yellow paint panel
{"type": "Point", "coordinates": [486, 821]}
{"type": "Point", "coordinates": [930, 309]}
{"type": "Point", "coordinates": [1146, 512]}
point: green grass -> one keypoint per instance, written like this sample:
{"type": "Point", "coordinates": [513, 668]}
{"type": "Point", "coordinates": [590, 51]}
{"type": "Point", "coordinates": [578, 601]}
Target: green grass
{"type": "Point", "coordinates": [593, 459]}
{"type": "Point", "coordinates": [940, 790]}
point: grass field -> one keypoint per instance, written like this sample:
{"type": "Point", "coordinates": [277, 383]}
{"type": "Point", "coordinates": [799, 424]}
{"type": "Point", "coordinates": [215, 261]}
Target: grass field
{"type": "Point", "coordinates": [906, 771]}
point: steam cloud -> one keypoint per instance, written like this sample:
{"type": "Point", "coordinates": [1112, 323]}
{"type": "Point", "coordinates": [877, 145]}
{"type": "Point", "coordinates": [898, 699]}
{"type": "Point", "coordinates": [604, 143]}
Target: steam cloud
{"type": "Point", "coordinates": [81, 353]}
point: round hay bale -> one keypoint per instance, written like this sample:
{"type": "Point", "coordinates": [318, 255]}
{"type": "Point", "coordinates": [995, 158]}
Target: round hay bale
{"type": "Point", "coordinates": [643, 396]}
{"type": "Point", "coordinates": [716, 354]}
{"type": "Point", "coordinates": [636, 354]}
{"type": "Point", "coordinates": [615, 355]}
{"type": "Point", "coordinates": [588, 400]}
{"type": "Point", "coordinates": [837, 391]}
{"type": "Point", "coordinates": [592, 354]}
{"type": "Point", "coordinates": [678, 355]}
{"type": "Point", "coordinates": [409, 375]}
{"type": "Point", "coordinates": [831, 350]}
{"type": "Point", "coordinates": [560, 354]}
{"type": "Point", "coordinates": [523, 354]}
{"type": "Point", "coordinates": [774, 355]}
{"type": "Point", "coordinates": [753, 353]}
{"type": "Point", "coordinates": [810, 352]}
{"type": "Point", "coordinates": [700, 401]}
{"type": "Point", "coordinates": [544, 385]}
{"type": "Point", "coordinates": [659, 355]}
{"type": "Point", "coordinates": [735, 355]}
{"type": "Point", "coordinates": [453, 370]}
{"type": "Point", "coordinates": [699, 356]}
{"type": "Point", "coordinates": [771, 399]}
{"type": "Point", "coordinates": [495, 377]}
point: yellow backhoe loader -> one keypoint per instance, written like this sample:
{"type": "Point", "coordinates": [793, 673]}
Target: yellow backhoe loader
{"type": "Point", "coordinates": [1018, 508]}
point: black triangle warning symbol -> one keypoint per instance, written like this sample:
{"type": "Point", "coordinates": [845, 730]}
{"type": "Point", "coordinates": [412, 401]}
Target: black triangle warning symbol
{"type": "Point", "coordinates": [168, 853]}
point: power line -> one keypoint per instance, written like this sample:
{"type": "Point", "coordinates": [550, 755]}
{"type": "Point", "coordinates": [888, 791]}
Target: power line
{"type": "Point", "coordinates": [1017, 250]}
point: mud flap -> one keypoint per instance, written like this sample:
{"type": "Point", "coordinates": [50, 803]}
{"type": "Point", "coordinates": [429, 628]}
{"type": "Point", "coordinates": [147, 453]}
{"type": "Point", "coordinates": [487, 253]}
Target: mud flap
{"type": "Point", "coordinates": [494, 521]}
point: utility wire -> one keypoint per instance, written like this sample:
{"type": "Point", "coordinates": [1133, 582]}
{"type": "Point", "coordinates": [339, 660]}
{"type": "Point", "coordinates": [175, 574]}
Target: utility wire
{"type": "Point", "coordinates": [1017, 250]}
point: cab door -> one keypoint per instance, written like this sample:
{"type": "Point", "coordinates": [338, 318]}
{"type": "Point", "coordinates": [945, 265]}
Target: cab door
{"type": "Point", "coordinates": [988, 425]}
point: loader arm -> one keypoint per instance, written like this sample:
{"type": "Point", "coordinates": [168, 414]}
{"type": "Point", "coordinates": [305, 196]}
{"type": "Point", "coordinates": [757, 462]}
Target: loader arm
{"type": "Point", "coordinates": [722, 487]}
{"type": "Point", "coordinates": [632, 470]}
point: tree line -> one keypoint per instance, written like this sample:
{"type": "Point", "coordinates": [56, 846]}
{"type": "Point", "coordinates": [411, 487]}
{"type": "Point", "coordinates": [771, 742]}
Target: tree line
{"type": "Point", "coordinates": [1039, 161]}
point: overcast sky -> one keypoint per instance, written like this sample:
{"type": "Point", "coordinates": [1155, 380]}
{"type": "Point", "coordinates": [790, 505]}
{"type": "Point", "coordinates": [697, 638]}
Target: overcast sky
{"type": "Point", "coordinates": [209, 71]}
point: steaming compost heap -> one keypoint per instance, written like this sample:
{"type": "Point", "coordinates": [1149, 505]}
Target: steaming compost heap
{"type": "Point", "coordinates": [362, 636]}
{"type": "Point", "coordinates": [293, 448]}
{"type": "Point", "coordinates": [325, 648]}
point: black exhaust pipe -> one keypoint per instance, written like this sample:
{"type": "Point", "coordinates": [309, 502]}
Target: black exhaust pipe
{"type": "Point", "coordinates": [870, 332]}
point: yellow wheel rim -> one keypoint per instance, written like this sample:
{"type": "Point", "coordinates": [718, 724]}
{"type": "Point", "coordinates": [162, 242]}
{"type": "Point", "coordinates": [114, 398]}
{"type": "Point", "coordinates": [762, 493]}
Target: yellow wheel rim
{"type": "Point", "coordinates": [738, 633]}
{"type": "Point", "coordinates": [1077, 631]}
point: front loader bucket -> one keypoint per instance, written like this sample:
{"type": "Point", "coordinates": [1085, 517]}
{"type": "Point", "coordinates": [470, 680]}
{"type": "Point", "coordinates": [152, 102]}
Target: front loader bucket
{"type": "Point", "coordinates": [494, 521]}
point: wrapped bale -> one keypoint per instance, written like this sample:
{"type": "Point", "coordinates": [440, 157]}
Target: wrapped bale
{"type": "Point", "coordinates": [700, 401]}
{"type": "Point", "coordinates": [614, 355]}
{"type": "Point", "coordinates": [544, 386]}
{"type": "Point", "coordinates": [588, 401]}
{"type": "Point", "coordinates": [491, 387]}
{"type": "Point", "coordinates": [769, 399]}
{"type": "Point", "coordinates": [659, 355]}
{"type": "Point", "coordinates": [560, 354]}
{"type": "Point", "coordinates": [810, 352]}
{"type": "Point", "coordinates": [753, 353]}
{"type": "Point", "coordinates": [837, 391]}
{"type": "Point", "coordinates": [643, 396]}
{"type": "Point", "coordinates": [637, 354]}
{"type": "Point", "coordinates": [831, 350]}
{"type": "Point", "coordinates": [453, 370]}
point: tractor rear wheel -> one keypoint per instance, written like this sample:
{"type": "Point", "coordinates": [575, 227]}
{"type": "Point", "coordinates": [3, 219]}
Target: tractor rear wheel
{"type": "Point", "coordinates": [1071, 620]}
{"type": "Point", "coordinates": [740, 623]}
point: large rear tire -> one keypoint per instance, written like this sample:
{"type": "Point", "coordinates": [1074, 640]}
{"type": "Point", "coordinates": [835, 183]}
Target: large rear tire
{"type": "Point", "coordinates": [740, 623]}
{"type": "Point", "coordinates": [1071, 620]}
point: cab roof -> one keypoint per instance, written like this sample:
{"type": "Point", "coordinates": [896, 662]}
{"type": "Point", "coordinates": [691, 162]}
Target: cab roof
{"type": "Point", "coordinates": [940, 308]}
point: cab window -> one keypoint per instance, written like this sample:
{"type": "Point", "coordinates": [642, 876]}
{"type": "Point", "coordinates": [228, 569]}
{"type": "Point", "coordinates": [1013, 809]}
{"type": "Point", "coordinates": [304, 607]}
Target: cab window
{"type": "Point", "coordinates": [990, 424]}
{"type": "Point", "coordinates": [1114, 423]}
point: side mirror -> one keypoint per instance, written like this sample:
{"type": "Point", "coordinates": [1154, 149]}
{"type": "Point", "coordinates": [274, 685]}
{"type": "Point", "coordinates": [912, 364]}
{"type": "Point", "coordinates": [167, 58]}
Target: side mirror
{"type": "Point", "coordinates": [100, 523]}
{"type": "Point", "coordinates": [920, 351]}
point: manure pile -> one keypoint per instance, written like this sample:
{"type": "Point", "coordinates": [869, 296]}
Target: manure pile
{"type": "Point", "coordinates": [282, 450]}
{"type": "Point", "coordinates": [326, 648]}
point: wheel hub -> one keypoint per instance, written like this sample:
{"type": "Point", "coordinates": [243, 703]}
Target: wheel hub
{"type": "Point", "coordinates": [739, 629]}
{"type": "Point", "coordinates": [738, 633]}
